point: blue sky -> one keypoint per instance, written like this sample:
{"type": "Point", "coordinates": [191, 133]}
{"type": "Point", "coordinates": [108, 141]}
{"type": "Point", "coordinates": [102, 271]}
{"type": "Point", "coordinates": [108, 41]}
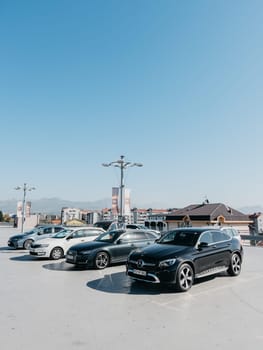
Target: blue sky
{"type": "Point", "coordinates": [176, 85]}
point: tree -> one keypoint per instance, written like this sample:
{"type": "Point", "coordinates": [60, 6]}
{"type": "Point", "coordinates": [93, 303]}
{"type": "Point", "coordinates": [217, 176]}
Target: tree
{"type": "Point", "coordinates": [1, 216]}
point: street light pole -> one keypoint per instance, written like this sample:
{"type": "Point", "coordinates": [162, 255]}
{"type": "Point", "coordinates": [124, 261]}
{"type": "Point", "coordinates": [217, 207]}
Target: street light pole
{"type": "Point", "coordinates": [122, 164]}
{"type": "Point", "coordinates": [24, 188]}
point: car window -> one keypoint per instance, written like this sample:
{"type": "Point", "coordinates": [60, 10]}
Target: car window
{"type": "Point", "coordinates": [109, 237]}
{"type": "Point", "coordinates": [88, 233]}
{"type": "Point", "coordinates": [78, 234]}
{"type": "Point", "coordinates": [184, 238]}
{"type": "Point", "coordinates": [57, 229]}
{"type": "Point", "coordinates": [150, 235]}
{"type": "Point", "coordinates": [136, 236]}
{"type": "Point", "coordinates": [62, 234]}
{"type": "Point", "coordinates": [220, 236]}
{"type": "Point", "coordinates": [206, 237]}
{"type": "Point", "coordinates": [47, 230]}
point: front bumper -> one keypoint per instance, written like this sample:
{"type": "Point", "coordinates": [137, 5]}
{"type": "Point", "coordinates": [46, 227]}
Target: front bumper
{"type": "Point", "coordinates": [14, 244]}
{"type": "Point", "coordinates": [38, 252]}
{"type": "Point", "coordinates": [157, 275]}
{"type": "Point", "coordinates": [79, 259]}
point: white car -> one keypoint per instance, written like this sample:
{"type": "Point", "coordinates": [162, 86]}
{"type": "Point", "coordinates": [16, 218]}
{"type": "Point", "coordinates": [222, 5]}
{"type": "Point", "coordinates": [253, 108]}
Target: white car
{"type": "Point", "coordinates": [56, 247]}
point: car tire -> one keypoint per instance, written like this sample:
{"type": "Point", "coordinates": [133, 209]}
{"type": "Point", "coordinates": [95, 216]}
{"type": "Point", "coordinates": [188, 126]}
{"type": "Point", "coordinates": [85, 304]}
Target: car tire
{"type": "Point", "coordinates": [235, 265]}
{"type": "Point", "coordinates": [56, 253]}
{"type": "Point", "coordinates": [185, 278]}
{"type": "Point", "coordinates": [27, 243]}
{"type": "Point", "coordinates": [102, 260]}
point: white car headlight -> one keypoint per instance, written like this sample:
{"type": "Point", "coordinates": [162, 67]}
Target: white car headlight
{"type": "Point", "coordinates": [167, 263]}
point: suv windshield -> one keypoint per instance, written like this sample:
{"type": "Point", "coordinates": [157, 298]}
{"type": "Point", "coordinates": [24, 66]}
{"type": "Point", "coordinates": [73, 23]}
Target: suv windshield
{"type": "Point", "coordinates": [184, 238]}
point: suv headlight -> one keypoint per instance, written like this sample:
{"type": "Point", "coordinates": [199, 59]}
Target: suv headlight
{"type": "Point", "coordinates": [167, 262]}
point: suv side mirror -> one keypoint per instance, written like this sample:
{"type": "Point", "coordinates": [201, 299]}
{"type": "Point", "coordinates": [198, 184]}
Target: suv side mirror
{"type": "Point", "coordinates": [202, 245]}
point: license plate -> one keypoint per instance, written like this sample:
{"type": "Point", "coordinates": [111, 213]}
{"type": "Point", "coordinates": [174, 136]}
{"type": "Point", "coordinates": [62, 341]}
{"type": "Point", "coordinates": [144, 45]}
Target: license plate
{"type": "Point", "coordinates": [70, 257]}
{"type": "Point", "coordinates": [139, 272]}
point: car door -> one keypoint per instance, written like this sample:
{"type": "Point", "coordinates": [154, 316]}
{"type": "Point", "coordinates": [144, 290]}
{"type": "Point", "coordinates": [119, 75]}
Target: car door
{"type": "Point", "coordinates": [205, 254]}
{"type": "Point", "coordinates": [77, 236]}
{"type": "Point", "coordinates": [124, 245]}
{"type": "Point", "coordinates": [222, 242]}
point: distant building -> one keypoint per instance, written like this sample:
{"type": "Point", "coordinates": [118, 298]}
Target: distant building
{"type": "Point", "coordinates": [206, 214]}
{"type": "Point", "coordinates": [256, 227]}
{"type": "Point", "coordinates": [70, 214]}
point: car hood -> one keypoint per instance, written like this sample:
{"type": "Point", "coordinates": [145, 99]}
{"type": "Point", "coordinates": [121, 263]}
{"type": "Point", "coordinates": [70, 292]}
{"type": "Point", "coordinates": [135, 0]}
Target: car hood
{"type": "Point", "coordinates": [89, 246]}
{"type": "Point", "coordinates": [160, 251]}
{"type": "Point", "coordinates": [18, 237]}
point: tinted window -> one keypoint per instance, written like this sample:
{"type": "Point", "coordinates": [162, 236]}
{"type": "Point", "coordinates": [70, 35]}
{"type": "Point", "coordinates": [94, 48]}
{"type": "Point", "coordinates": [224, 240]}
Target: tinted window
{"type": "Point", "coordinates": [78, 234]}
{"type": "Point", "coordinates": [134, 236]}
{"type": "Point", "coordinates": [185, 238]}
{"type": "Point", "coordinates": [109, 237]}
{"type": "Point", "coordinates": [91, 232]}
{"type": "Point", "coordinates": [47, 230]}
{"type": "Point", "coordinates": [150, 235]}
{"type": "Point", "coordinates": [206, 237]}
{"type": "Point", "coordinates": [219, 236]}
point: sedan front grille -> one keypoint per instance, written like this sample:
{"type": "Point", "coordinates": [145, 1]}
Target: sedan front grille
{"type": "Point", "coordinates": [33, 245]}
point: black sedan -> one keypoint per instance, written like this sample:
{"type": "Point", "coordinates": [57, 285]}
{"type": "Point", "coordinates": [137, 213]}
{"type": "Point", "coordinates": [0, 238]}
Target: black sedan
{"type": "Point", "coordinates": [110, 247]}
{"type": "Point", "coordinates": [184, 254]}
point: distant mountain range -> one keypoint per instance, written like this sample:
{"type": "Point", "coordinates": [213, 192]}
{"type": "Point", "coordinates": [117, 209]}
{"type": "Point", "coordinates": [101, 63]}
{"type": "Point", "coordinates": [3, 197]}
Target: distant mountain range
{"type": "Point", "coordinates": [54, 206]}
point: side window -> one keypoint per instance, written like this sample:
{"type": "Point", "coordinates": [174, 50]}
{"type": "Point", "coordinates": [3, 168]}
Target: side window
{"type": "Point", "coordinates": [150, 235]}
{"type": "Point", "coordinates": [229, 231]}
{"type": "Point", "coordinates": [78, 234]}
{"type": "Point", "coordinates": [131, 237]}
{"type": "Point", "coordinates": [57, 229]}
{"type": "Point", "coordinates": [169, 237]}
{"type": "Point", "coordinates": [88, 233]}
{"type": "Point", "coordinates": [220, 236]}
{"type": "Point", "coordinates": [47, 230]}
{"type": "Point", "coordinates": [206, 237]}
{"type": "Point", "coordinates": [138, 236]}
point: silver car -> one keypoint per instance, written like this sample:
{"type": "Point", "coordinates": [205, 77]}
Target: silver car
{"type": "Point", "coordinates": [24, 240]}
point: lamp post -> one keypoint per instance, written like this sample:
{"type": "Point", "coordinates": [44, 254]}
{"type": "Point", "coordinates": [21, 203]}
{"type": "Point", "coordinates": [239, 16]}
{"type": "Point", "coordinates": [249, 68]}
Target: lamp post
{"type": "Point", "coordinates": [24, 188]}
{"type": "Point", "coordinates": [122, 164]}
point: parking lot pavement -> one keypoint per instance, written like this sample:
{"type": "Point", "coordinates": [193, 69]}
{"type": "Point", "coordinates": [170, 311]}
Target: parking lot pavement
{"type": "Point", "coordinates": [52, 305]}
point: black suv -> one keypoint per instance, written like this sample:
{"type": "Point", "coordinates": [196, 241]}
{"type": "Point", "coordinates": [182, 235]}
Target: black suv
{"type": "Point", "coordinates": [184, 254]}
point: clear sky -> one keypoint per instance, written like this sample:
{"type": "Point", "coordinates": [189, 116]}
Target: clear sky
{"type": "Point", "coordinates": [176, 85]}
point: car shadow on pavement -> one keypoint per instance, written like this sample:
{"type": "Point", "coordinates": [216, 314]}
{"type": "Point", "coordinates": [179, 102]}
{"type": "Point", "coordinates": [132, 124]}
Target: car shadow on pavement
{"type": "Point", "coordinates": [120, 283]}
{"type": "Point", "coordinates": [11, 250]}
{"type": "Point", "coordinates": [63, 266]}
{"type": "Point", "coordinates": [25, 257]}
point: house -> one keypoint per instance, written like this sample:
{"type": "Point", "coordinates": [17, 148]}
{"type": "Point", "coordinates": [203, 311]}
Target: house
{"type": "Point", "coordinates": [207, 214]}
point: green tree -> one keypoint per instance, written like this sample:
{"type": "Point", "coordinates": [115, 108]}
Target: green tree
{"type": "Point", "coordinates": [1, 216]}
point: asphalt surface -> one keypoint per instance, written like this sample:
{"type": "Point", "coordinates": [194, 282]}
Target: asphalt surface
{"type": "Point", "coordinates": [52, 305]}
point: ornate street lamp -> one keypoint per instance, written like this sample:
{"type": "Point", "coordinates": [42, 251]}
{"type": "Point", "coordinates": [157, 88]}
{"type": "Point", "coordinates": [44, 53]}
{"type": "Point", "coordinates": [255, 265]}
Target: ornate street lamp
{"type": "Point", "coordinates": [122, 164]}
{"type": "Point", "coordinates": [24, 188]}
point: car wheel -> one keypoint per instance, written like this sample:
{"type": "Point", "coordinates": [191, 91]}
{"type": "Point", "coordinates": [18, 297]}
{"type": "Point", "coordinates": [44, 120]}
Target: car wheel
{"type": "Point", "coordinates": [235, 265]}
{"type": "Point", "coordinates": [102, 260]}
{"type": "Point", "coordinates": [56, 253]}
{"type": "Point", "coordinates": [185, 278]}
{"type": "Point", "coordinates": [27, 243]}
